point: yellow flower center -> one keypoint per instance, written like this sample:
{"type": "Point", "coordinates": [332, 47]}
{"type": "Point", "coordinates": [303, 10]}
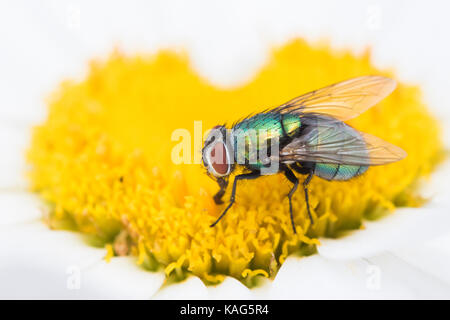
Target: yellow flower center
{"type": "Point", "coordinates": [103, 160]}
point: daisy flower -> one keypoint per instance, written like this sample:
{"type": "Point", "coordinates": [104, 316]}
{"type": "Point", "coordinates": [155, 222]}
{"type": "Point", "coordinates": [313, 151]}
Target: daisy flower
{"type": "Point", "coordinates": [107, 213]}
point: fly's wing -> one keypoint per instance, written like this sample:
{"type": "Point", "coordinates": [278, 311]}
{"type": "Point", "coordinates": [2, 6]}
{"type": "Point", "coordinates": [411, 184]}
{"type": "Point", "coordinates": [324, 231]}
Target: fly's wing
{"type": "Point", "coordinates": [343, 100]}
{"type": "Point", "coordinates": [327, 140]}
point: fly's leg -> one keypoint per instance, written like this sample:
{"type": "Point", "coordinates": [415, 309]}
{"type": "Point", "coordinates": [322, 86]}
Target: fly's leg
{"type": "Point", "coordinates": [305, 187]}
{"type": "Point", "coordinates": [306, 168]}
{"type": "Point", "coordinates": [245, 176]}
{"type": "Point", "coordinates": [292, 178]}
{"type": "Point", "coordinates": [223, 184]}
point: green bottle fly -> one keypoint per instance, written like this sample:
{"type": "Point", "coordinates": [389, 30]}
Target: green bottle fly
{"type": "Point", "coordinates": [307, 136]}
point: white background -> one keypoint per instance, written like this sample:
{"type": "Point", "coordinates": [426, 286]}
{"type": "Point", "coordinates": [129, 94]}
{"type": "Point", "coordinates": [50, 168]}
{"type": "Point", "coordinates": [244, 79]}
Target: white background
{"type": "Point", "coordinates": [45, 41]}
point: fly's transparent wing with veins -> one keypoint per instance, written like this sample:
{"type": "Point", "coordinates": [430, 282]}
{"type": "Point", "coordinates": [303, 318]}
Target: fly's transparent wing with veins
{"type": "Point", "coordinates": [327, 140]}
{"type": "Point", "coordinates": [343, 100]}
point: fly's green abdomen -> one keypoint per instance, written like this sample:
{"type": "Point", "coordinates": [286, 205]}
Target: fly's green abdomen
{"type": "Point", "coordinates": [259, 131]}
{"type": "Point", "coordinates": [326, 135]}
{"type": "Point", "coordinates": [340, 172]}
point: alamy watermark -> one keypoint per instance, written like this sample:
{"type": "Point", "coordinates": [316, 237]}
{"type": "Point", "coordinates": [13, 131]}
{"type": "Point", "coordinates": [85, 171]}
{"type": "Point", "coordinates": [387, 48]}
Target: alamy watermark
{"type": "Point", "coordinates": [73, 281]}
{"type": "Point", "coordinates": [248, 146]}
{"type": "Point", "coordinates": [374, 16]}
{"type": "Point", "coordinates": [373, 279]}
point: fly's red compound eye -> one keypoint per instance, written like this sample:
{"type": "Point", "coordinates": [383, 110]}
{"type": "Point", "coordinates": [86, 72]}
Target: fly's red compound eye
{"type": "Point", "coordinates": [219, 158]}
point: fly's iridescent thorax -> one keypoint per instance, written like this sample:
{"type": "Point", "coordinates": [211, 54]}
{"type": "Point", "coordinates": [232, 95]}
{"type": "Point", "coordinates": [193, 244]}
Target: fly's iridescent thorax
{"type": "Point", "coordinates": [216, 153]}
{"type": "Point", "coordinates": [261, 129]}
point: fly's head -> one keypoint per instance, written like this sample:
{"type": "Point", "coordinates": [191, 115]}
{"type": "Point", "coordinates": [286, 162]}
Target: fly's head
{"type": "Point", "coordinates": [217, 154]}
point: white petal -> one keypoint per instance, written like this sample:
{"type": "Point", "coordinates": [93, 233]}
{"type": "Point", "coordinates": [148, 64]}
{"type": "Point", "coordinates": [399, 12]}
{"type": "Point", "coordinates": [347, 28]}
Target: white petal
{"type": "Point", "coordinates": [13, 143]}
{"type": "Point", "coordinates": [229, 289]}
{"type": "Point", "coordinates": [405, 227]}
{"type": "Point", "coordinates": [315, 277]}
{"type": "Point", "coordinates": [38, 263]}
{"type": "Point", "coordinates": [19, 207]}
{"type": "Point", "coordinates": [383, 277]}
{"type": "Point", "coordinates": [120, 278]}
{"type": "Point", "coordinates": [191, 288]}
{"type": "Point", "coordinates": [420, 284]}
{"type": "Point", "coordinates": [432, 257]}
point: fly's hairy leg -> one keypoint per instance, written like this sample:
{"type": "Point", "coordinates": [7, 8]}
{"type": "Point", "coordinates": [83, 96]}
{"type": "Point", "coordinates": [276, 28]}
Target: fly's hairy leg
{"type": "Point", "coordinates": [223, 184]}
{"type": "Point", "coordinates": [245, 176]}
{"type": "Point", "coordinates": [305, 187]}
{"type": "Point", "coordinates": [292, 178]}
